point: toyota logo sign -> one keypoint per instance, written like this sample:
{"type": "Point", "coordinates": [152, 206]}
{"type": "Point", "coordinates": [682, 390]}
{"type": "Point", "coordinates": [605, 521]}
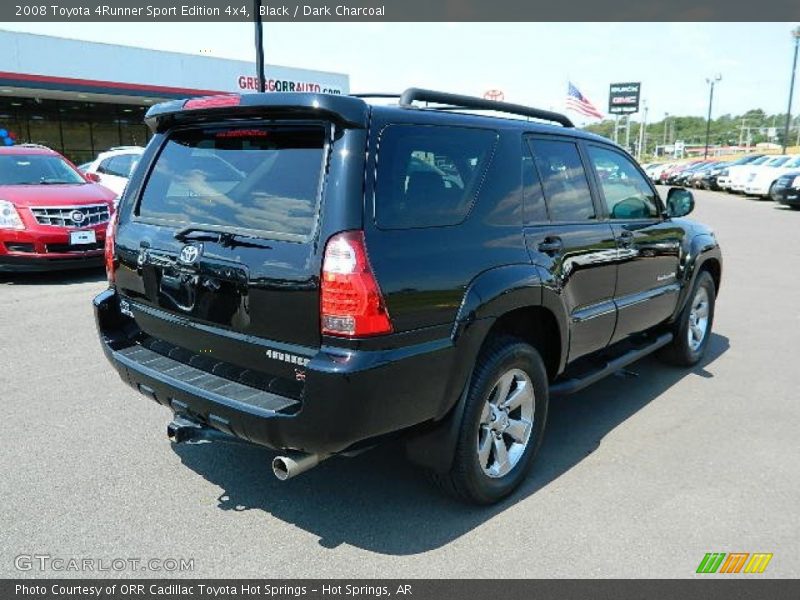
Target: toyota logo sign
{"type": "Point", "coordinates": [190, 254]}
{"type": "Point", "coordinates": [77, 217]}
{"type": "Point", "coordinates": [496, 95]}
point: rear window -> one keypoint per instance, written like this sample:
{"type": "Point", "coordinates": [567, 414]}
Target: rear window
{"type": "Point", "coordinates": [265, 180]}
{"type": "Point", "coordinates": [428, 176]}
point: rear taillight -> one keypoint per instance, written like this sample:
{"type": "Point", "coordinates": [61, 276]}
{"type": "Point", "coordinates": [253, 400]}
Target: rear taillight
{"type": "Point", "coordinates": [111, 232]}
{"type": "Point", "coordinates": [351, 301]}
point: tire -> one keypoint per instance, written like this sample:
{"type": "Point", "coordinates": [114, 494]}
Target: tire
{"type": "Point", "coordinates": [684, 351]}
{"type": "Point", "coordinates": [482, 472]}
{"type": "Point", "coordinates": [769, 193]}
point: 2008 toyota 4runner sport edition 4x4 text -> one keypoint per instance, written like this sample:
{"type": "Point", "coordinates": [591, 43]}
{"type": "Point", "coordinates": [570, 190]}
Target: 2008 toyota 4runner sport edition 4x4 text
{"type": "Point", "coordinates": [314, 273]}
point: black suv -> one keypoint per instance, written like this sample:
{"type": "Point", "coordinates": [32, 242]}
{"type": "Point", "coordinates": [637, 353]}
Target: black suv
{"type": "Point", "coordinates": [314, 273]}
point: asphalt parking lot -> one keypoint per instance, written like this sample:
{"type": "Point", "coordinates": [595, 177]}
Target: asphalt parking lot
{"type": "Point", "coordinates": [639, 476]}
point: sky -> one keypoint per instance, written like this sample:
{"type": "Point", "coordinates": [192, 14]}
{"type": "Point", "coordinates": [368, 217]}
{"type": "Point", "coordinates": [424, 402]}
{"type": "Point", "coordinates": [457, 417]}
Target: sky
{"type": "Point", "coordinates": [530, 62]}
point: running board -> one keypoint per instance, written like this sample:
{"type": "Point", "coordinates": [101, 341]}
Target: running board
{"type": "Point", "coordinates": [574, 384]}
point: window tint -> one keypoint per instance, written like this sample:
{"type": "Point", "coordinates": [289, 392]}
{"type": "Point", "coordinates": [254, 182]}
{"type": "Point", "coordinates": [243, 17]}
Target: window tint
{"type": "Point", "coordinates": [566, 189]}
{"type": "Point", "coordinates": [535, 209]}
{"type": "Point", "coordinates": [118, 165]}
{"type": "Point", "coordinates": [264, 179]}
{"type": "Point", "coordinates": [627, 194]}
{"type": "Point", "coordinates": [428, 176]}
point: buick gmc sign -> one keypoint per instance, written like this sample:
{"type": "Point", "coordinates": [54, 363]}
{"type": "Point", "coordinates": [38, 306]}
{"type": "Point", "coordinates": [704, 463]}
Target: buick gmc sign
{"type": "Point", "coordinates": [624, 98]}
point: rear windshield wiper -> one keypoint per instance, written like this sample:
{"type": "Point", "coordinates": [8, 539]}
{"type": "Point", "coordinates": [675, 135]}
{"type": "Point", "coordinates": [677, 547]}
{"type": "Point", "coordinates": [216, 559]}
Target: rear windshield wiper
{"type": "Point", "coordinates": [224, 238]}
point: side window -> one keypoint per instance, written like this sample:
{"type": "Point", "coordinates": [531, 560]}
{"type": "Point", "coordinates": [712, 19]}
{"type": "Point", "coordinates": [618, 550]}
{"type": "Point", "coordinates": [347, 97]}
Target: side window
{"type": "Point", "coordinates": [533, 195]}
{"type": "Point", "coordinates": [120, 165]}
{"type": "Point", "coordinates": [105, 167]}
{"type": "Point", "coordinates": [566, 188]}
{"type": "Point", "coordinates": [428, 176]}
{"type": "Point", "coordinates": [627, 194]}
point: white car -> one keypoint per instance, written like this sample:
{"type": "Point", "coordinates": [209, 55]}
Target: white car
{"type": "Point", "coordinates": [113, 167]}
{"type": "Point", "coordinates": [759, 181]}
{"type": "Point", "coordinates": [738, 175]}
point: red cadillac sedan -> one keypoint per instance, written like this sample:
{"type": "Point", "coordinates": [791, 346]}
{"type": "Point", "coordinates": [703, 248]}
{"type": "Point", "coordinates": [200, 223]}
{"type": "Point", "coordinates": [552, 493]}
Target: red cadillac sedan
{"type": "Point", "coordinates": [51, 216]}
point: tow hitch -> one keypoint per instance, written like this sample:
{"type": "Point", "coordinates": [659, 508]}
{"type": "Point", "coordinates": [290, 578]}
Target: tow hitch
{"type": "Point", "coordinates": [185, 430]}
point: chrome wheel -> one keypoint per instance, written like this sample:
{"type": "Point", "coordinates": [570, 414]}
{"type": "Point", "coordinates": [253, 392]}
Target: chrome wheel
{"type": "Point", "coordinates": [506, 423]}
{"type": "Point", "coordinates": [698, 319]}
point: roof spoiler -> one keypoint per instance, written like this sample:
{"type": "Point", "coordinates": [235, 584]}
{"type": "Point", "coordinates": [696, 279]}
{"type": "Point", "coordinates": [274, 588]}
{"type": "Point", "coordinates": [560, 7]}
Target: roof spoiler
{"type": "Point", "coordinates": [345, 110]}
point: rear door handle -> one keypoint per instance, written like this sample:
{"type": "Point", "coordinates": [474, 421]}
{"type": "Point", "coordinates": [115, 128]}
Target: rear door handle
{"type": "Point", "coordinates": [551, 245]}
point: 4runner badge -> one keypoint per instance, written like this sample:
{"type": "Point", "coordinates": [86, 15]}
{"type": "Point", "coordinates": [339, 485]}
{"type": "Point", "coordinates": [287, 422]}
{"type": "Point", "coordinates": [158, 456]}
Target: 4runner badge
{"type": "Point", "coordinates": [190, 254]}
{"type": "Point", "coordinates": [292, 359]}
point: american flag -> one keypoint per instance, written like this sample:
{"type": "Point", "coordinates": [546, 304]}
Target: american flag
{"type": "Point", "coordinates": [579, 103]}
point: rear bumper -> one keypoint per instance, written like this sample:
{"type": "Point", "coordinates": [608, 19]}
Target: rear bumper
{"type": "Point", "coordinates": [349, 396]}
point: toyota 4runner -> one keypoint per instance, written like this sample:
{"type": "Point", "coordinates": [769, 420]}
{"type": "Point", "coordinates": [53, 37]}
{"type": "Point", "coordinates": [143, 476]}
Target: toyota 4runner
{"type": "Point", "coordinates": [315, 273]}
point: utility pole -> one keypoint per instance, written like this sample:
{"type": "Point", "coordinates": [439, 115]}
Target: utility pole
{"type": "Point", "coordinates": [710, 82]}
{"type": "Point", "coordinates": [628, 133]}
{"type": "Point", "coordinates": [741, 132]}
{"type": "Point", "coordinates": [796, 36]}
{"type": "Point", "coordinates": [666, 121]}
{"type": "Point", "coordinates": [642, 134]}
{"type": "Point", "coordinates": [259, 46]}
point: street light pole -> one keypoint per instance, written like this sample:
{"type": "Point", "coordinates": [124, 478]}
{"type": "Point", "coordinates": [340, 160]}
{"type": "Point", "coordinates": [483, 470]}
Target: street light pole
{"type": "Point", "coordinates": [710, 82]}
{"type": "Point", "coordinates": [796, 36]}
{"type": "Point", "coordinates": [259, 46]}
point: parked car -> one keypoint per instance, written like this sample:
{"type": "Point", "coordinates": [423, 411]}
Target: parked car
{"type": "Point", "coordinates": [307, 305]}
{"type": "Point", "coordinates": [761, 179]}
{"type": "Point", "coordinates": [113, 167]}
{"type": "Point", "coordinates": [723, 179]}
{"type": "Point", "coordinates": [674, 175]}
{"type": "Point", "coordinates": [657, 170]}
{"type": "Point", "coordinates": [741, 175]}
{"type": "Point", "coordinates": [735, 171]}
{"type": "Point", "coordinates": [681, 177]}
{"type": "Point", "coordinates": [786, 190]}
{"type": "Point", "coordinates": [51, 217]}
{"type": "Point", "coordinates": [695, 180]}
{"type": "Point", "coordinates": [707, 178]}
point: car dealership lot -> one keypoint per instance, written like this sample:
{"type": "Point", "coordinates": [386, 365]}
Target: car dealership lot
{"type": "Point", "coordinates": [639, 476]}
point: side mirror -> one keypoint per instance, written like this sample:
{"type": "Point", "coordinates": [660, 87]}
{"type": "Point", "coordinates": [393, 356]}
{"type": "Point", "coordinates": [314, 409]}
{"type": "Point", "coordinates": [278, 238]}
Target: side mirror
{"type": "Point", "coordinates": [680, 202]}
{"type": "Point", "coordinates": [92, 177]}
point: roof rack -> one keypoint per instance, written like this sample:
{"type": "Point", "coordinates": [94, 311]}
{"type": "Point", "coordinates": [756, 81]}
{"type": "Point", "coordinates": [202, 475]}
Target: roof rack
{"type": "Point", "coordinates": [376, 95]}
{"type": "Point", "coordinates": [459, 102]}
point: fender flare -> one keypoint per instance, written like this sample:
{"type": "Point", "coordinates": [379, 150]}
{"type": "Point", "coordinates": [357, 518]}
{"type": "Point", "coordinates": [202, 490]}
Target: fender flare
{"type": "Point", "coordinates": [702, 248]}
{"type": "Point", "coordinates": [488, 297]}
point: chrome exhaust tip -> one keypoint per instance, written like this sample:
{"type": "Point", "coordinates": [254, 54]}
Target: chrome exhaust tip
{"type": "Point", "coordinates": [286, 467]}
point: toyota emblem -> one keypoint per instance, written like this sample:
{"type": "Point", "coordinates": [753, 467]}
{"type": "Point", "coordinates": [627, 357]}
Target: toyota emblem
{"type": "Point", "coordinates": [496, 95]}
{"type": "Point", "coordinates": [190, 254]}
{"type": "Point", "coordinates": [77, 217]}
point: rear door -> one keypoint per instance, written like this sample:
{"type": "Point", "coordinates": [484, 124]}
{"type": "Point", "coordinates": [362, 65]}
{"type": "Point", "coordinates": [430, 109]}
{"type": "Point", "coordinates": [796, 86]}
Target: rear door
{"type": "Point", "coordinates": [649, 245]}
{"type": "Point", "coordinates": [567, 236]}
{"type": "Point", "coordinates": [220, 254]}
